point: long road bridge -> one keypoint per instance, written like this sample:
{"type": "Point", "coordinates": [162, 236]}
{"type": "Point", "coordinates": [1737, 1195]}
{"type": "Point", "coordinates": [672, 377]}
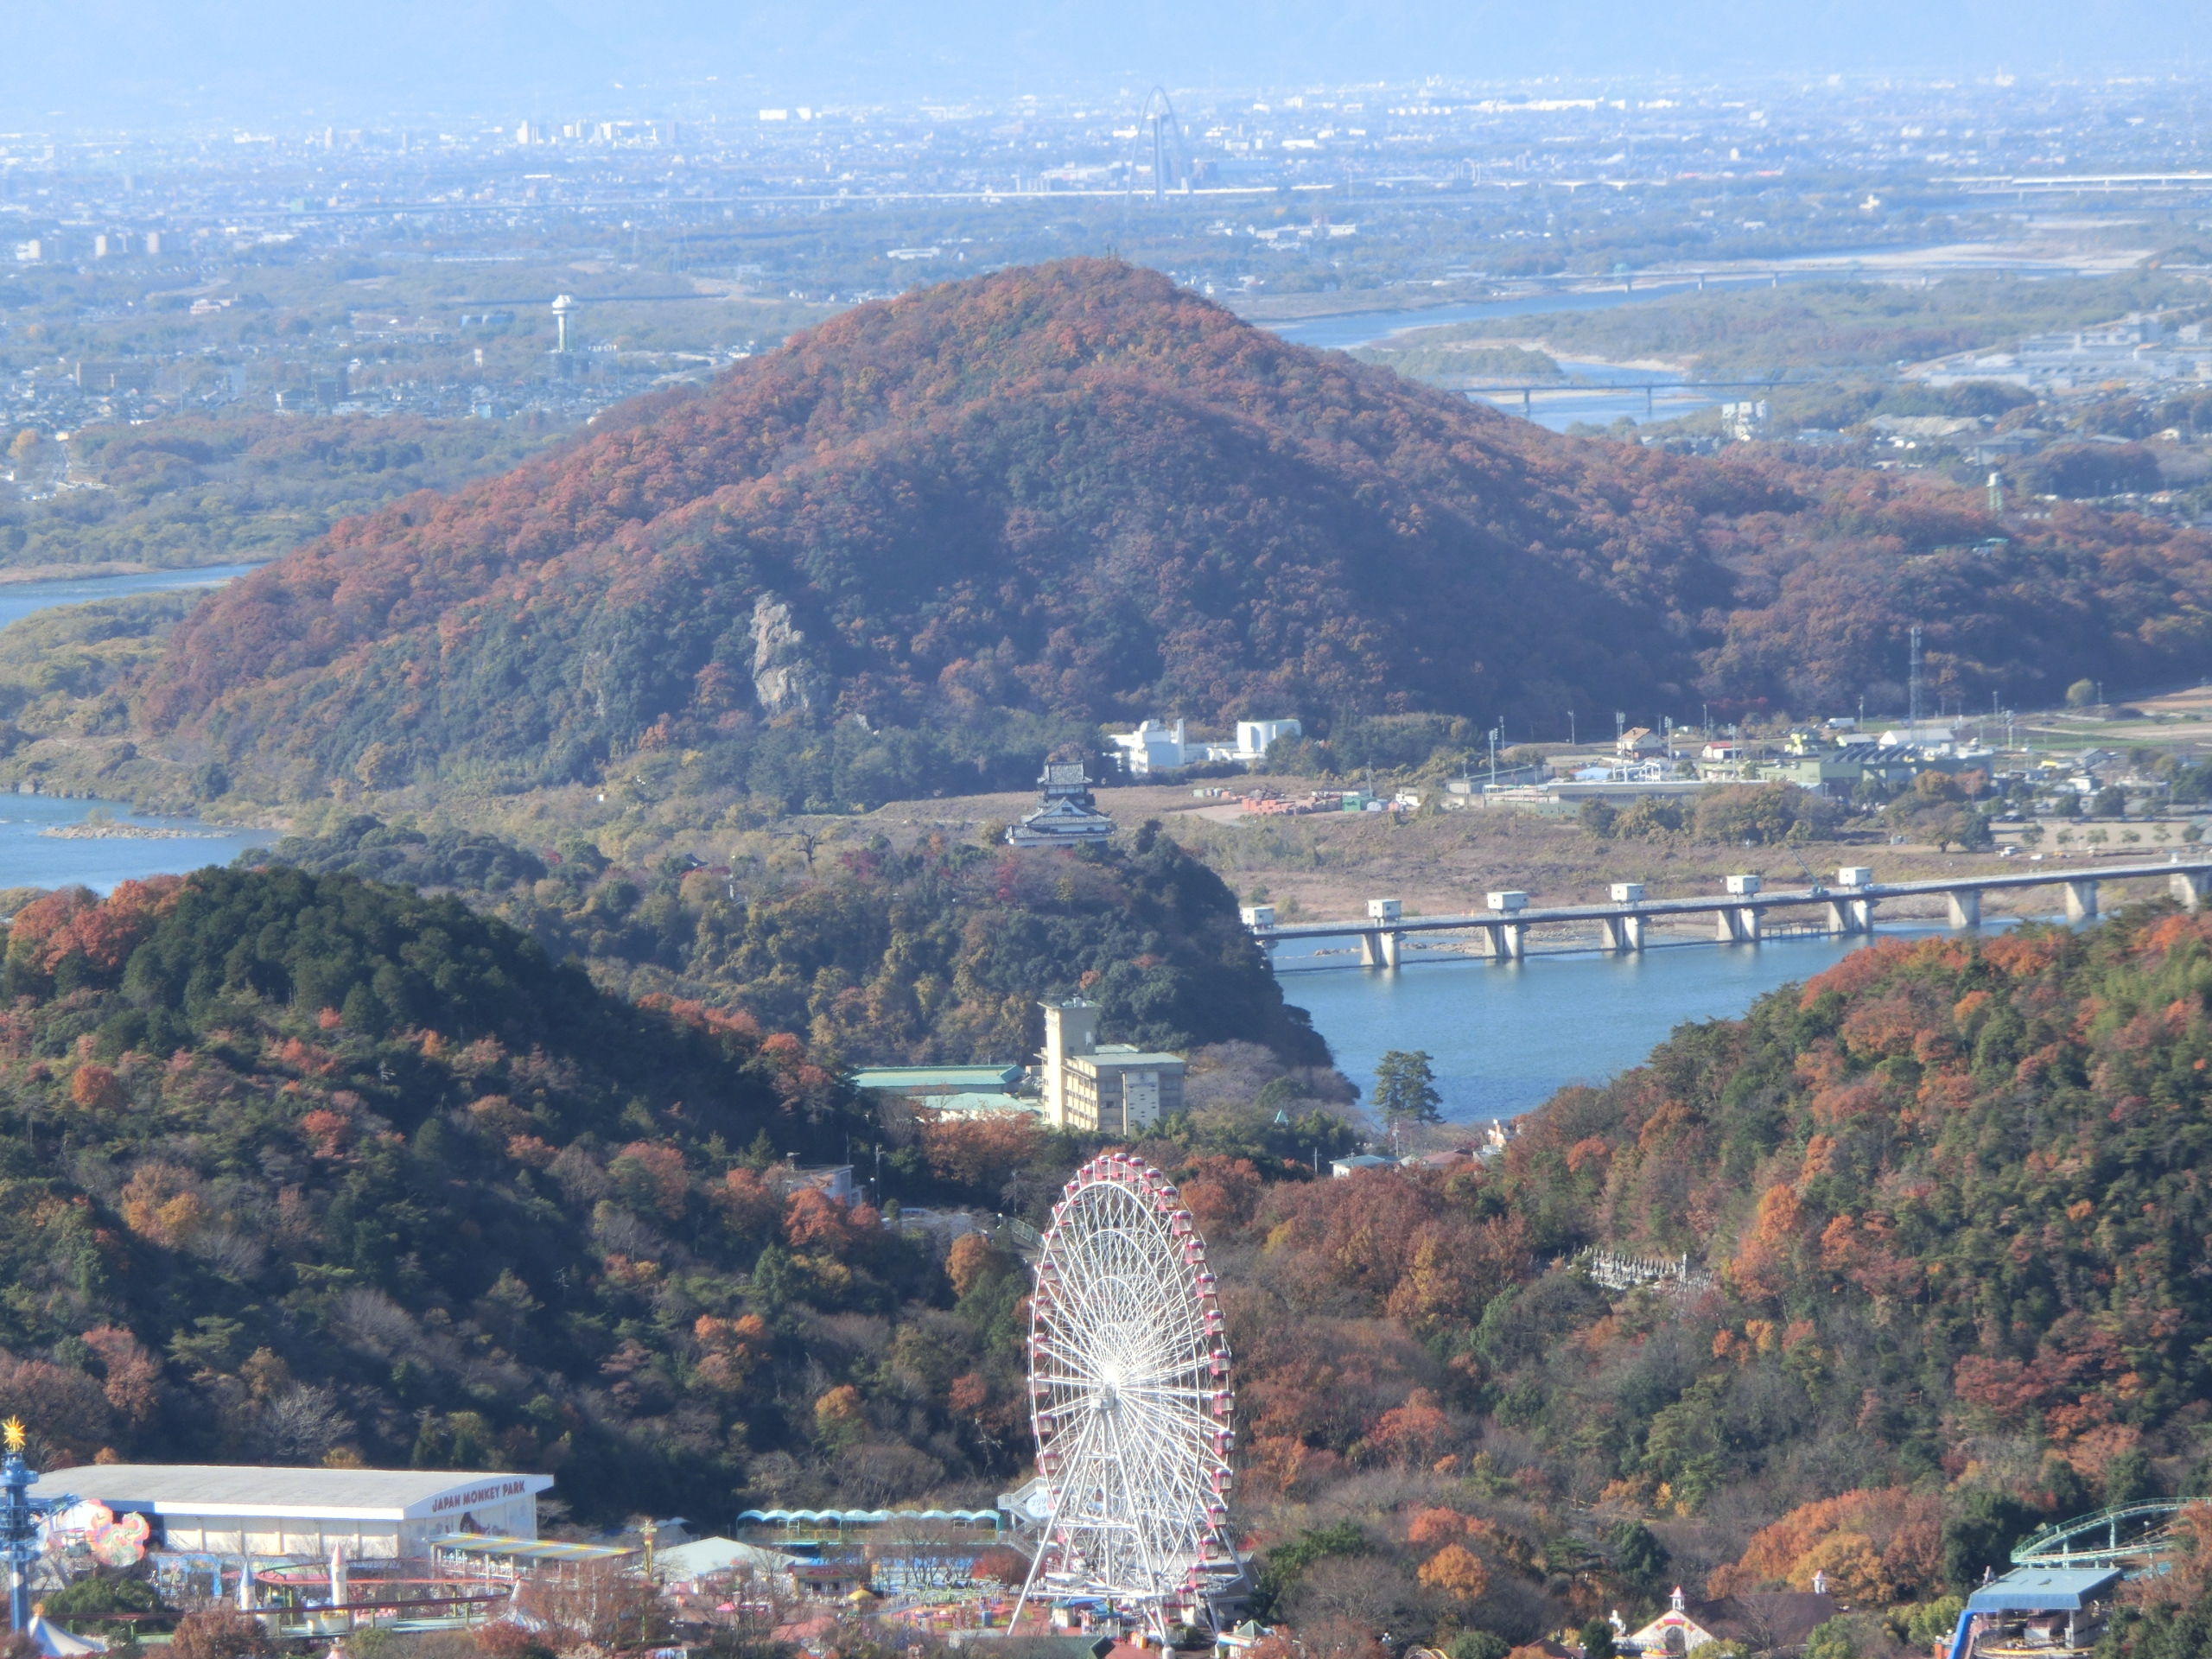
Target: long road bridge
{"type": "Point", "coordinates": [1739, 914]}
{"type": "Point", "coordinates": [1529, 390]}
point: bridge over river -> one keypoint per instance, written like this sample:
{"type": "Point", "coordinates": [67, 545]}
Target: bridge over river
{"type": "Point", "coordinates": [1739, 914]}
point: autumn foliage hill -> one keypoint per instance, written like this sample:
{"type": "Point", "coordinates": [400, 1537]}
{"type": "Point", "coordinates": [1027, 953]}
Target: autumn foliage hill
{"type": "Point", "coordinates": [1949, 1194]}
{"type": "Point", "coordinates": [939, 953]}
{"type": "Point", "coordinates": [301, 1167]}
{"type": "Point", "coordinates": [918, 543]}
{"type": "Point", "coordinates": [1073, 489]}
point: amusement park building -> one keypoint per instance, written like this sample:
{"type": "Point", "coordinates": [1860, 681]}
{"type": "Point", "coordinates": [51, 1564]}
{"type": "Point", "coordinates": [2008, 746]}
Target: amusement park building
{"type": "Point", "coordinates": [378, 1514]}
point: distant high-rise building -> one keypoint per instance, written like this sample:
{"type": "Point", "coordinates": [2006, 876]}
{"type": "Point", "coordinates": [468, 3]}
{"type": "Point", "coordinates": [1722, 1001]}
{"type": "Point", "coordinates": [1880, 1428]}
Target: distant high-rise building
{"type": "Point", "coordinates": [153, 242]}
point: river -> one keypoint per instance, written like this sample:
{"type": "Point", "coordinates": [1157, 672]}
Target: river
{"type": "Point", "coordinates": [1557, 410]}
{"type": "Point", "coordinates": [20, 599]}
{"type": "Point", "coordinates": [1503, 1038]}
{"type": "Point", "coordinates": [29, 857]}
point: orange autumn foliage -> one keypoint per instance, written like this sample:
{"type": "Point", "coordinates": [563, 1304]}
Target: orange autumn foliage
{"type": "Point", "coordinates": [1436, 1527]}
{"type": "Point", "coordinates": [1882, 1545]}
{"type": "Point", "coordinates": [1765, 1257]}
{"type": "Point", "coordinates": [1457, 1572]}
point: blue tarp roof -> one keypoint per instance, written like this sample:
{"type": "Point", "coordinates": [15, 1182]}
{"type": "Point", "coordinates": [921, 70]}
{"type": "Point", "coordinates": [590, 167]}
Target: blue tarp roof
{"type": "Point", "coordinates": [2043, 1589]}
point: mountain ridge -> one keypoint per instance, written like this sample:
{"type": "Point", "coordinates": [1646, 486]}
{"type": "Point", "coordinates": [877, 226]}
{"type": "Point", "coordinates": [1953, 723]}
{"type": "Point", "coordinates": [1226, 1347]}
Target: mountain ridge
{"type": "Point", "coordinates": [1050, 472]}
{"type": "Point", "coordinates": [936, 535]}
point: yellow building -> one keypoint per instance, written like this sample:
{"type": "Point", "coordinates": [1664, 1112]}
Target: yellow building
{"type": "Point", "coordinates": [1103, 1088]}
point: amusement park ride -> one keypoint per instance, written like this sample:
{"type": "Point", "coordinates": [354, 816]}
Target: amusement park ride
{"type": "Point", "coordinates": [21, 1518]}
{"type": "Point", "coordinates": [1129, 1391]}
{"type": "Point", "coordinates": [2055, 1600]}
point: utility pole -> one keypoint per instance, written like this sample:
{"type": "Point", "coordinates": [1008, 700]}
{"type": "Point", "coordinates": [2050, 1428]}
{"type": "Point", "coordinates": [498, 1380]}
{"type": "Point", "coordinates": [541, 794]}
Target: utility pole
{"type": "Point", "coordinates": [1493, 757]}
{"type": "Point", "coordinates": [1570, 728]}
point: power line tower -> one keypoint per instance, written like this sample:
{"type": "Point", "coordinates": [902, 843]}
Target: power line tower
{"type": "Point", "coordinates": [1912, 718]}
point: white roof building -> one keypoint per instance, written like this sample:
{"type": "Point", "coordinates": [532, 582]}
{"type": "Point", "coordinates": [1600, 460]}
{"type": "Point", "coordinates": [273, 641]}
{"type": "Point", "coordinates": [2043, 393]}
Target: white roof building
{"type": "Point", "coordinates": [377, 1514]}
{"type": "Point", "coordinates": [708, 1556]}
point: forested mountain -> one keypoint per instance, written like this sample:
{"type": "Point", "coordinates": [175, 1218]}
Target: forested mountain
{"type": "Point", "coordinates": [922, 542]}
{"type": "Point", "coordinates": [1950, 1197]}
{"type": "Point", "coordinates": [301, 1166]}
{"type": "Point", "coordinates": [304, 1166]}
{"type": "Point", "coordinates": [938, 954]}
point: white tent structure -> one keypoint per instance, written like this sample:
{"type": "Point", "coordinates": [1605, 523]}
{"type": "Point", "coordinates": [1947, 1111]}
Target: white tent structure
{"type": "Point", "coordinates": [708, 1556]}
{"type": "Point", "coordinates": [57, 1643]}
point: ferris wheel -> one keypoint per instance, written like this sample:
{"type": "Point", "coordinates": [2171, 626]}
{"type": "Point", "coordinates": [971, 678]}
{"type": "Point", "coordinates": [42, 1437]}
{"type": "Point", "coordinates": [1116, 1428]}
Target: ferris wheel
{"type": "Point", "coordinates": [1129, 1389]}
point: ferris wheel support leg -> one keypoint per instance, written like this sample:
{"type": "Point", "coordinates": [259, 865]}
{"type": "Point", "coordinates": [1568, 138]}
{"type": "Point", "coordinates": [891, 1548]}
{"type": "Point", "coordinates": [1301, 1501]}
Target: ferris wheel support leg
{"type": "Point", "coordinates": [1028, 1582]}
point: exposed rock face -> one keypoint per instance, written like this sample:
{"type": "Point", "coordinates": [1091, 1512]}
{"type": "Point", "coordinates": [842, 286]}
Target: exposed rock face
{"type": "Point", "coordinates": [783, 677]}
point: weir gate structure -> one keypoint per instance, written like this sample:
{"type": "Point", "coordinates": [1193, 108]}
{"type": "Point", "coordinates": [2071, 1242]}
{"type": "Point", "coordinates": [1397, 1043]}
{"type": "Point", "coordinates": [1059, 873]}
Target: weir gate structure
{"type": "Point", "coordinates": [1739, 914]}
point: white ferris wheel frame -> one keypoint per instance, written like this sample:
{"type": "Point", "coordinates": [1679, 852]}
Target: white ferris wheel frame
{"type": "Point", "coordinates": [1130, 1399]}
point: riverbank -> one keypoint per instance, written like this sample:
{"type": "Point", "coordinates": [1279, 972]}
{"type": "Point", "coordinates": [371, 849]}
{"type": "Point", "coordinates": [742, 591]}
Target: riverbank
{"type": "Point", "coordinates": [49, 841]}
{"type": "Point", "coordinates": [1504, 1038]}
{"type": "Point", "coordinates": [1328, 865]}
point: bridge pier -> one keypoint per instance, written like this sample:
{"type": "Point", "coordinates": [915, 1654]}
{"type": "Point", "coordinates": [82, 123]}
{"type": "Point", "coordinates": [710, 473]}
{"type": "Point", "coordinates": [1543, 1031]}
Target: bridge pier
{"type": "Point", "coordinates": [1503, 941]}
{"type": "Point", "coordinates": [1966, 907]}
{"type": "Point", "coordinates": [2188, 886]}
{"type": "Point", "coordinates": [1738, 924]}
{"type": "Point", "coordinates": [2081, 900]}
{"type": "Point", "coordinates": [1378, 948]}
{"type": "Point", "coordinates": [1847, 915]}
{"type": "Point", "coordinates": [1623, 933]}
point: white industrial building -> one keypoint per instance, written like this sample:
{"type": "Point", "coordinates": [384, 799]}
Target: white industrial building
{"type": "Point", "coordinates": [1156, 748]}
{"type": "Point", "coordinates": [377, 1514]}
{"type": "Point", "coordinates": [2137, 348]}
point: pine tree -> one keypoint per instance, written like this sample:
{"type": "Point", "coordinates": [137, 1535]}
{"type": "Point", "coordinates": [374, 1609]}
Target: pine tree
{"type": "Point", "coordinates": [1405, 1087]}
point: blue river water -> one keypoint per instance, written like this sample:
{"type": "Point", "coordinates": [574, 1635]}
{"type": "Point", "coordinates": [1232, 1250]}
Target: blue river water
{"type": "Point", "coordinates": [1502, 1037]}
{"type": "Point", "coordinates": [20, 599]}
{"type": "Point", "coordinates": [1556, 410]}
{"type": "Point", "coordinates": [1341, 333]}
{"type": "Point", "coordinates": [31, 858]}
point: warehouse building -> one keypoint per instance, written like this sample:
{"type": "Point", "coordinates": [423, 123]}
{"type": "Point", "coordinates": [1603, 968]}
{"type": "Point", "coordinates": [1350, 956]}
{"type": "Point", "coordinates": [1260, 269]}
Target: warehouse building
{"type": "Point", "coordinates": [377, 1514]}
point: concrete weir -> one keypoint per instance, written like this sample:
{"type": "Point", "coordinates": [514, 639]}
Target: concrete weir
{"type": "Point", "coordinates": [1739, 914]}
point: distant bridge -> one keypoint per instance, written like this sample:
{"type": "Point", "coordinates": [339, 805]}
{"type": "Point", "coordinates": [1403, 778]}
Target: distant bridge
{"type": "Point", "coordinates": [1738, 914]}
{"type": "Point", "coordinates": [1527, 390]}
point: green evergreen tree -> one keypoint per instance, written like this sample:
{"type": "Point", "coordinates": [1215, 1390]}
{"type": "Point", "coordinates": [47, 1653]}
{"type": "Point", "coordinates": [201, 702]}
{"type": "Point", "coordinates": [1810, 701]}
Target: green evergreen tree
{"type": "Point", "coordinates": [1405, 1087]}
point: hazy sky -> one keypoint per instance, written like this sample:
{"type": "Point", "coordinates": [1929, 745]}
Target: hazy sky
{"type": "Point", "coordinates": [152, 61]}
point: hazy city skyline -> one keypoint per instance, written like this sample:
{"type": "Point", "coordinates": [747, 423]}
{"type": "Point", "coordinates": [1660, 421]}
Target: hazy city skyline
{"type": "Point", "coordinates": [137, 62]}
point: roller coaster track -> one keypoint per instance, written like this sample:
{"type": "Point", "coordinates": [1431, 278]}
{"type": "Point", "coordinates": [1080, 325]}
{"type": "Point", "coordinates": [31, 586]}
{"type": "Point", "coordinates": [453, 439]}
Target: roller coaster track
{"type": "Point", "coordinates": [2132, 1536]}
